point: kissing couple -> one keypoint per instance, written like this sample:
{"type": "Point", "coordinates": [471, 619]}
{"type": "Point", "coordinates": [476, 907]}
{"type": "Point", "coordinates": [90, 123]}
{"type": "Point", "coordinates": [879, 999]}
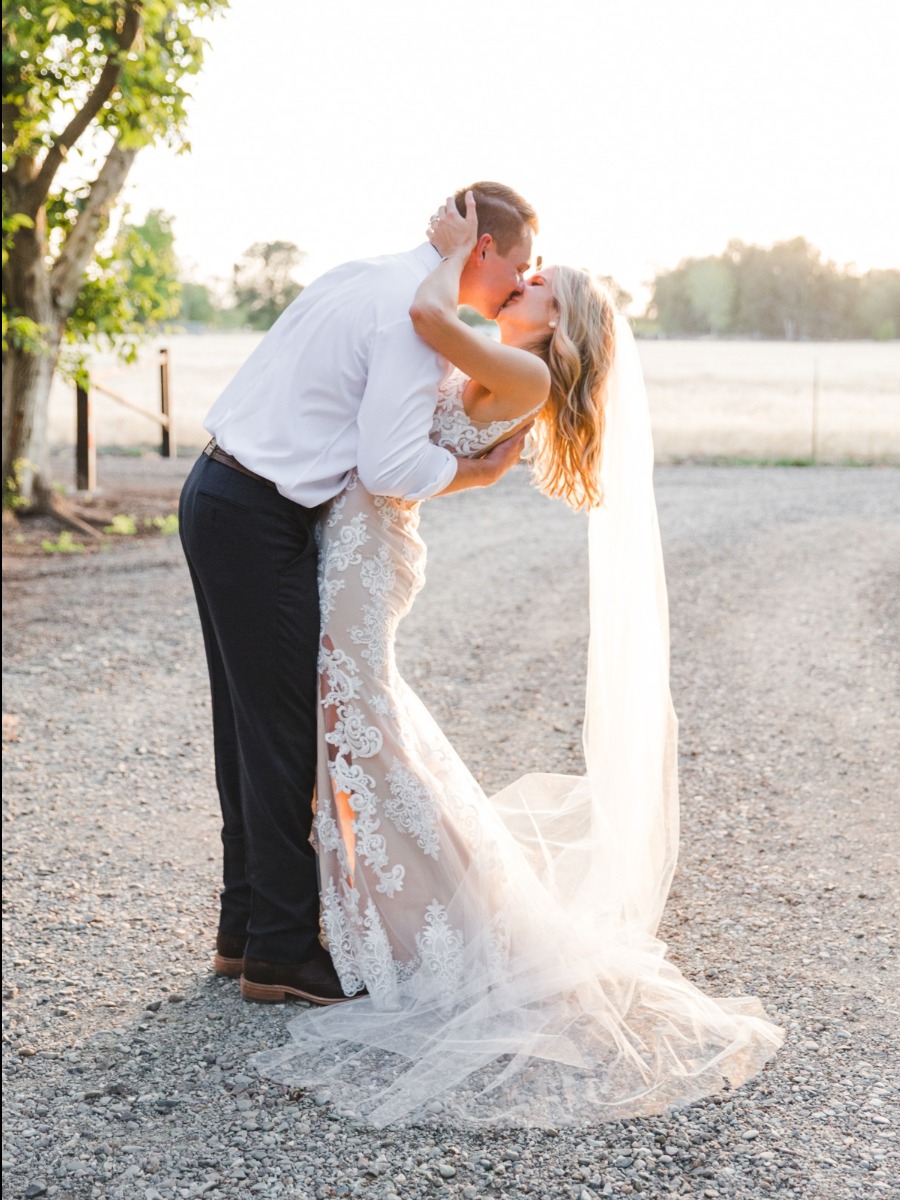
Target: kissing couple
{"type": "Point", "coordinates": [476, 959]}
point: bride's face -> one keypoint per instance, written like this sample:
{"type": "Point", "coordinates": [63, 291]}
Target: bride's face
{"type": "Point", "coordinates": [531, 311]}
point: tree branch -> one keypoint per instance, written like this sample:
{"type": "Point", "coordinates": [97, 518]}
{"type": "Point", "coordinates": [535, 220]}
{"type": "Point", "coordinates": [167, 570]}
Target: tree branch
{"type": "Point", "coordinates": [66, 272]}
{"type": "Point", "coordinates": [103, 89]}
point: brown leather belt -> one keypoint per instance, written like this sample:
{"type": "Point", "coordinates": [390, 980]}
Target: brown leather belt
{"type": "Point", "coordinates": [218, 455]}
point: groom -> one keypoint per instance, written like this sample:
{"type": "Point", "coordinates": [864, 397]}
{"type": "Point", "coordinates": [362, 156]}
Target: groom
{"type": "Point", "coordinates": [341, 380]}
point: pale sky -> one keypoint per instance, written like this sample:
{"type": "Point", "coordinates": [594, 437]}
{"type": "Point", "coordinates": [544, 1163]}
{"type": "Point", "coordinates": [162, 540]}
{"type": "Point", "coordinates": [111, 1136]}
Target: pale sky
{"type": "Point", "coordinates": [643, 131]}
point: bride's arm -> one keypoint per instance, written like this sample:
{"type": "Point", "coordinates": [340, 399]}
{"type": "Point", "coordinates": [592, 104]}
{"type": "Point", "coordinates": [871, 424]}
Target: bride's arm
{"type": "Point", "coordinates": [511, 374]}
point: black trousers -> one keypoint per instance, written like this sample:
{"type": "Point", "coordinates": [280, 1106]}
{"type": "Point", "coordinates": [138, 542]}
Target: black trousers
{"type": "Point", "coordinates": [252, 558]}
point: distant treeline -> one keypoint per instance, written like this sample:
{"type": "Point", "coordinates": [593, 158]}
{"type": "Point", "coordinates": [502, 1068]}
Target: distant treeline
{"type": "Point", "coordinates": [785, 291]}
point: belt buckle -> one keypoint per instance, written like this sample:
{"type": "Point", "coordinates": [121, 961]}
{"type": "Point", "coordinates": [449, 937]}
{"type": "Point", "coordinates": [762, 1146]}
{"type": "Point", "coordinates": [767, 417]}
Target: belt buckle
{"type": "Point", "coordinates": [210, 447]}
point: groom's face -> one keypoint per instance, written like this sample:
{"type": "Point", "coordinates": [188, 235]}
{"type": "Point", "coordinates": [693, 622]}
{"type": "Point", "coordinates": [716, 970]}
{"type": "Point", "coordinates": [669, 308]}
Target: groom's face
{"type": "Point", "coordinates": [495, 277]}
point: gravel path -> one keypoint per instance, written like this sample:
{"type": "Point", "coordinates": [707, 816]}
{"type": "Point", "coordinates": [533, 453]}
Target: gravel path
{"type": "Point", "coordinates": [124, 1058]}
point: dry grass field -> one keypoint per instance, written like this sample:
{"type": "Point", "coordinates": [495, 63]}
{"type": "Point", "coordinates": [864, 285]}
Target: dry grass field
{"type": "Point", "coordinates": [709, 399]}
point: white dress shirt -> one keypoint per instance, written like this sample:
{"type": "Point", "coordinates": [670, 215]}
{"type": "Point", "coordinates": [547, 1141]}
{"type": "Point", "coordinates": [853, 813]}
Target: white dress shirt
{"type": "Point", "coordinates": [342, 380]}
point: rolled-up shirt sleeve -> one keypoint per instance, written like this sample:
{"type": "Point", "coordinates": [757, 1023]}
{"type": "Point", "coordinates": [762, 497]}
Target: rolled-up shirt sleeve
{"type": "Point", "coordinates": [395, 456]}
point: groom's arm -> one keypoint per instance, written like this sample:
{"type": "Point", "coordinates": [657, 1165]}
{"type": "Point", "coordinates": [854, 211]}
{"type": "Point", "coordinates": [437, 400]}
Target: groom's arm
{"type": "Point", "coordinates": [395, 456]}
{"type": "Point", "coordinates": [483, 472]}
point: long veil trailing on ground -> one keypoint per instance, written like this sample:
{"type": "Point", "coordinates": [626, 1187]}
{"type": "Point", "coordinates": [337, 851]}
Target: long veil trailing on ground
{"type": "Point", "coordinates": [517, 976]}
{"type": "Point", "coordinates": [609, 840]}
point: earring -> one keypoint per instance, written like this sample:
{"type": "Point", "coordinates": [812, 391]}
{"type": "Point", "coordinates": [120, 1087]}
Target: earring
{"type": "Point", "coordinates": [552, 324]}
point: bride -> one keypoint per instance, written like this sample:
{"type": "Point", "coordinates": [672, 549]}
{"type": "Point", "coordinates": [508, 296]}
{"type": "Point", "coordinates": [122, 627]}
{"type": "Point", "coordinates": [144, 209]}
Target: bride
{"type": "Point", "coordinates": [508, 945]}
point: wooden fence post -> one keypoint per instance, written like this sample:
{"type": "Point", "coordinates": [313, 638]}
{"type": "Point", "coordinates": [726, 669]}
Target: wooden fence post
{"type": "Point", "coordinates": [85, 443]}
{"type": "Point", "coordinates": [169, 448]}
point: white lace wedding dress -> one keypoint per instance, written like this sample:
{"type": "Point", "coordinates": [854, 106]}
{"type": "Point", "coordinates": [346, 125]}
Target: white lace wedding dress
{"type": "Point", "coordinates": [505, 982]}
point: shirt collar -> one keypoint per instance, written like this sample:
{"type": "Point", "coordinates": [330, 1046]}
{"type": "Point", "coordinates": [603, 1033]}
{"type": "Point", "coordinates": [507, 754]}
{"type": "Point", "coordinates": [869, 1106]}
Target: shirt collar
{"type": "Point", "coordinates": [427, 255]}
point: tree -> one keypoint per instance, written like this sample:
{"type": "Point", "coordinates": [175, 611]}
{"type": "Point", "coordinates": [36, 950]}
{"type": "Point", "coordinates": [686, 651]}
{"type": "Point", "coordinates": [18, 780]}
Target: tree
{"type": "Point", "coordinates": [710, 284]}
{"type": "Point", "coordinates": [621, 297]}
{"type": "Point", "coordinates": [86, 85]}
{"type": "Point", "coordinates": [783, 291]}
{"type": "Point", "coordinates": [672, 305]}
{"type": "Point", "coordinates": [125, 291]}
{"type": "Point", "coordinates": [263, 283]}
{"type": "Point", "coordinates": [197, 305]}
{"type": "Point", "coordinates": [878, 307]}
{"type": "Point", "coordinates": [776, 288]}
{"type": "Point", "coordinates": [151, 278]}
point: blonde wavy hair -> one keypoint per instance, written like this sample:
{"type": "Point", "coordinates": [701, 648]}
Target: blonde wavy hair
{"type": "Point", "coordinates": [567, 438]}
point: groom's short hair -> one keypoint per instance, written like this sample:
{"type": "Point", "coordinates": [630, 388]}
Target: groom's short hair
{"type": "Point", "coordinates": [502, 213]}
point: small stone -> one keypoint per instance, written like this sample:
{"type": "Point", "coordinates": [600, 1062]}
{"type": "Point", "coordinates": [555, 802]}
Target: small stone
{"type": "Point", "coordinates": [446, 1171]}
{"type": "Point", "coordinates": [37, 1188]}
{"type": "Point", "coordinates": [176, 998]}
{"type": "Point", "coordinates": [154, 1006]}
{"type": "Point", "coordinates": [27, 1052]}
{"type": "Point", "coordinates": [749, 1134]}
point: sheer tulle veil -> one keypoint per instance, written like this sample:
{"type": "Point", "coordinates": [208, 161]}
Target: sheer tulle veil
{"type": "Point", "coordinates": [609, 840]}
{"type": "Point", "coordinates": [517, 976]}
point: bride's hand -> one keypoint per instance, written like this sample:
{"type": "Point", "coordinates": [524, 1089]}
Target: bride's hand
{"type": "Point", "coordinates": [452, 235]}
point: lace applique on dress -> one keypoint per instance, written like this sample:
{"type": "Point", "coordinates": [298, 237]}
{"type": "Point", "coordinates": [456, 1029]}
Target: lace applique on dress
{"type": "Point", "coordinates": [455, 430]}
{"type": "Point", "coordinates": [378, 573]}
{"type": "Point", "coordinates": [412, 808]}
{"type": "Point", "coordinates": [373, 634]}
{"type": "Point", "coordinates": [441, 949]}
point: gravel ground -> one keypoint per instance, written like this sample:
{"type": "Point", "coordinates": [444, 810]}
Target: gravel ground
{"type": "Point", "coordinates": [124, 1059]}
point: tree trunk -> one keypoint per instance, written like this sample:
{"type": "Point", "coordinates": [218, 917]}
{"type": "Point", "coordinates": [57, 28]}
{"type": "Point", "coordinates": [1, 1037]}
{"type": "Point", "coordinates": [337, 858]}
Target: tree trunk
{"type": "Point", "coordinates": [26, 384]}
{"type": "Point", "coordinates": [47, 297]}
{"type": "Point", "coordinates": [27, 375]}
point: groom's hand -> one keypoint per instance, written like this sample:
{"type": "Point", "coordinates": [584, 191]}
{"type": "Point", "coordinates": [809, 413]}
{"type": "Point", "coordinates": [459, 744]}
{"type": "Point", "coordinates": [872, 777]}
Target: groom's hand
{"type": "Point", "coordinates": [507, 453]}
{"type": "Point", "coordinates": [493, 465]}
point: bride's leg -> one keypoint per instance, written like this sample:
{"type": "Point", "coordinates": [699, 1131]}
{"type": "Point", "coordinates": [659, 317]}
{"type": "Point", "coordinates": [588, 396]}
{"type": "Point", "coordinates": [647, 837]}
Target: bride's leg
{"type": "Point", "coordinates": [341, 799]}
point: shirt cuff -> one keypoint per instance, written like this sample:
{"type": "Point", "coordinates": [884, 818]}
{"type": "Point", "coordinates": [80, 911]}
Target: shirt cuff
{"type": "Point", "coordinates": [445, 478]}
